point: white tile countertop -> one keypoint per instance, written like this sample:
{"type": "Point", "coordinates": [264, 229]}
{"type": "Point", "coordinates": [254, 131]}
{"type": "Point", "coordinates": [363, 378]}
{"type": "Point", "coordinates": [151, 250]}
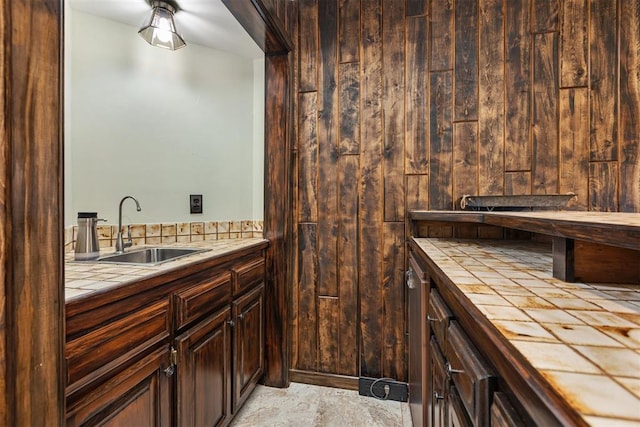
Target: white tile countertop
{"type": "Point", "coordinates": [583, 338]}
{"type": "Point", "coordinates": [85, 277]}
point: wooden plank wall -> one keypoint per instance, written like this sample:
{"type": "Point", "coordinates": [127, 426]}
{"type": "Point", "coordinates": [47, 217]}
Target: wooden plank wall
{"type": "Point", "coordinates": [406, 104]}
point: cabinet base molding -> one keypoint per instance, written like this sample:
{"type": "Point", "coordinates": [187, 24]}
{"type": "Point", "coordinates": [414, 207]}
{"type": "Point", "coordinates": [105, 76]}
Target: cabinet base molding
{"type": "Point", "coordinates": [327, 380]}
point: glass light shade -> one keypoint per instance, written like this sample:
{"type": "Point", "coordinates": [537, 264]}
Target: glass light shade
{"type": "Point", "coordinates": [160, 30]}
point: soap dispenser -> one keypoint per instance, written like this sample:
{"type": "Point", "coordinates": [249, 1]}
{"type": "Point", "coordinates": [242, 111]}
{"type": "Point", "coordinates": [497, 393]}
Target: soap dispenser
{"type": "Point", "coordinates": [87, 247]}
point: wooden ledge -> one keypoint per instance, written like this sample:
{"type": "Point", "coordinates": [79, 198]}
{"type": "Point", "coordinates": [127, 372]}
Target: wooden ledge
{"type": "Point", "coordinates": [593, 247]}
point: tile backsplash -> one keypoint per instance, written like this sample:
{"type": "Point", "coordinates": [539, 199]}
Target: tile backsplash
{"type": "Point", "coordinates": [181, 232]}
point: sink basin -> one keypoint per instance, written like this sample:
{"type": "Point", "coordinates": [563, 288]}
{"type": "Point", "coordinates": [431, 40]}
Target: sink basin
{"type": "Point", "coordinates": [150, 256]}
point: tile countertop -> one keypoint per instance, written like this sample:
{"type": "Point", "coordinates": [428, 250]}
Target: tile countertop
{"type": "Point", "coordinates": [583, 338]}
{"type": "Point", "coordinates": [85, 277]}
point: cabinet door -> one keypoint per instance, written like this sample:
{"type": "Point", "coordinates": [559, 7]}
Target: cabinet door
{"type": "Point", "coordinates": [456, 414]}
{"type": "Point", "coordinates": [417, 294]}
{"type": "Point", "coordinates": [248, 348]}
{"type": "Point", "coordinates": [204, 372]}
{"type": "Point", "coordinates": [439, 386]}
{"type": "Point", "coordinates": [140, 395]}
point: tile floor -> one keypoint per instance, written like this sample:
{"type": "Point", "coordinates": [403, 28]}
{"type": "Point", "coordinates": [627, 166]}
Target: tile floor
{"type": "Point", "coordinates": [310, 405]}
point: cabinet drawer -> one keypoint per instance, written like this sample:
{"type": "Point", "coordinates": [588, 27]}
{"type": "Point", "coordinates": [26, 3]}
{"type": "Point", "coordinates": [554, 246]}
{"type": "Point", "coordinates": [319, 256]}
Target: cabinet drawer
{"type": "Point", "coordinates": [503, 414]}
{"type": "Point", "coordinates": [473, 377]}
{"type": "Point", "coordinates": [201, 299]}
{"type": "Point", "coordinates": [439, 316]}
{"type": "Point", "coordinates": [247, 275]}
{"type": "Point", "coordinates": [108, 347]}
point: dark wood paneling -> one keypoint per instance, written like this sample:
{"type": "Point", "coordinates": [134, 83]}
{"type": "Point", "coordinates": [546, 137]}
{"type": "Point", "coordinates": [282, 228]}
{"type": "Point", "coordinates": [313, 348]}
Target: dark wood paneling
{"type": "Point", "coordinates": [348, 266]}
{"type": "Point", "coordinates": [393, 351]}
{"type": "Point", "coordinates": [603, 183]}
{"type": "Point", "coordinates": [371, 192]}
{"type": "Point", "coordinates": [516, 183]}
{"type": "Point", "coordinates": [517, 86]}
{"type": "Point", "coordinates": [349, 108]}
{"type": "Point", "coordinates": [466, 61]}
{"type": "Point", "coordinates": [603, 83]}
{"type": "Point", "coordinates": [441, 36]}
{"type": "Point", "coordinates": [349, 30]}
{"type": "Point", "coordinates": [491, 114]}
{"type": "Point", "coordinates": [545, 16]}
{"type": "Point", "coordinates": [545, 114]}
{"type": "Point", "coordinates": [31, 204]}
{"type": "Point", "coordinates": [573, 44]}
{"type": "Point", "coordinates": [393, 109]}
{"type": "Point", "coordinates": [417, 117]}
{"type": "Point", "coordinates": [630, 106]}
{"type": "Point", "coordinates": [465, 159]}
{"type": "Point", "coordinates": [308, 45]}
{"type": "Point", "coordinates": [308, 157]}
{"type": "Point", "coordinates": [417, 191]}
{"type": "Point", "coordinates": [307, 337]}
{"type": "Point", "coordinates": [328, 333]}
{"type": "Point", "coordinates": [574, 143]}
{"type": "Point", "coordinates": [441, 144]}
{"type": "Point", "coordinates": [417, 7]}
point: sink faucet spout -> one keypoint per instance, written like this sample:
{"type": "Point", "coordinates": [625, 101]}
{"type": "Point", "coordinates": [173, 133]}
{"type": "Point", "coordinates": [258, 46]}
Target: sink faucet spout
{"type": "Point", "coordinates": [120, 243]}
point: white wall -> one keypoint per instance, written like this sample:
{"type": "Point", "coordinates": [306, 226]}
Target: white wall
{"type": "Point", "coordinates": [159, 125]}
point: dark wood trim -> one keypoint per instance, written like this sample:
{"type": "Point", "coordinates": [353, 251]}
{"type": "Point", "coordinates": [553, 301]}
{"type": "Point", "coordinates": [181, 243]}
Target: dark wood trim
{"type": "Point", "coordinates": [31, 203]}
{"type": "Point", "coordinates": [563, 258]}
{"type": "Point", "coordinates": [268, 32]}
{"type": "Point", "coordinates": [327, 380]}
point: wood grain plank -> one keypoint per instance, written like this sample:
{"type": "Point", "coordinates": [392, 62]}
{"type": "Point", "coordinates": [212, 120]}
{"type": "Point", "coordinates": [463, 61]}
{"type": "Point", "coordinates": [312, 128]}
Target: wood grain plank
{"type": "Point", "coordinates": [574, 145]}
{"type": "Point", "coordinates": [328, 150]}
{"type": "Point", "coordinates": [466, 61]}
{"type": "Point", "coordinates": [31, 209]}
{"type": "Point", "coordinates": [307, 338]}
{"type": "Point", "coordinates": [348, 266]}
{"type": "Point", "coordinates": [518, 150]}
{"type": "Point", "coordinates": [574, 44]}
{"type": "Point", "coordinates": [308, 157]}
{"type": "Point", "coordinates": [465, 159]}
{"type": "Point", "coordinates": [308, 45]}
{"type": "Point", "coordinates": [417, 191]}
{"type": "Point", "coordinates": [328, 333]}
{"type": "Point", "coordinates": [349, 30]}
{"type": "Point", "coordinates": [545, 16]}
{"type": "Point", "coordinates": [441, 141]}
{"type": "Point", "coordinates": [393, 301]}
{"type": "Point", "coordinates": [517, 183]}
{"type": "Point", "coordinates": [491, 92]}
{"type": "Point", "coordinates": [603, 72]}
{"type": "Point", "coordinates": [393, 61]}
{"type": "Point", "coordinates": [371, 192]}
{"type": "Point", "coordinates": [442, 35]}
{"type": "Point", "coordinates": [416, 115]}
{"type": "Point", "coordinates": [545, 114]}
{"type": "Point", "coordinates": [349, 108]}
{"type": "Point", "coordinates": [630, 106]}
{"type": "Point", "coordinates": [603, 185]}
{"type": "Point", "coordinates": [417, 7]}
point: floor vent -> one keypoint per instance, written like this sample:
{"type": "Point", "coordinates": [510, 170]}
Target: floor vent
{"type": "Point", "coordinates": [383, 388]}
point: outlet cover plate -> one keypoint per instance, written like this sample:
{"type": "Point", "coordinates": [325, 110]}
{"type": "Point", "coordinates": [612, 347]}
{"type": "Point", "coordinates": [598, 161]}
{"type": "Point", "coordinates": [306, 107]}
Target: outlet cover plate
{"type": "Point", "coordinates": [195, 203]}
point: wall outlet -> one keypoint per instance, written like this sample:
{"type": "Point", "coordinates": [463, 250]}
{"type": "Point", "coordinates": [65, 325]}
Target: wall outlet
{"type": "Point", "coordinates": [393, 390]}
{"type": "Point", "coordinates": [195, 203]}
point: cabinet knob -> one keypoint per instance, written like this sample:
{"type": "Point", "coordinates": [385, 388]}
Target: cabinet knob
{"type": "Point", "coordinates": [450, 370]}
{"type": "Point", "coordinates": [241, 316]}
{"type": "Point", "coordinates": [231, 323]}
{"type": "Point", "coordinates": [437, 396]}
{"type": "Point", "coordinates": [170, 370]}
{"type": "Point", "coordinates": [431, 319]}
{"type": "Point", "coordinates": [411, 283]}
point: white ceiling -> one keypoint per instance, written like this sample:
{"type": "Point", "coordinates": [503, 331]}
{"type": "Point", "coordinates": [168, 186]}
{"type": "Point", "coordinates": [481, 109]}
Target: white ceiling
{"type": "Point", "coordinates": [204, 22]}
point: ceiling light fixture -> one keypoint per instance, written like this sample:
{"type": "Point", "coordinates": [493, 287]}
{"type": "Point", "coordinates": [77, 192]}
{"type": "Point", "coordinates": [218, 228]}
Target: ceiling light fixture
{"type": "Point", "coordinates": [160, 30]}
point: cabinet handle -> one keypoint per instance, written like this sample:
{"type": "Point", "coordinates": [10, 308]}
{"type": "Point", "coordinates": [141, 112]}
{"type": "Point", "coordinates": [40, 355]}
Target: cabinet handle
{"type": "Point", "coordinates": [231, 323]}
{"type": "Point", "coordinates": [431, 319]}
{"type": "Point", "coordinates": [241, 316]}
{"type": "Point", "coordinates": [450, 370]}
{"type": "Point", "coordinates": [410, 281]}
{"type": "Point", "coordinates": [170, 370]}
{"type": "Point", "coordinates": [437, 396]}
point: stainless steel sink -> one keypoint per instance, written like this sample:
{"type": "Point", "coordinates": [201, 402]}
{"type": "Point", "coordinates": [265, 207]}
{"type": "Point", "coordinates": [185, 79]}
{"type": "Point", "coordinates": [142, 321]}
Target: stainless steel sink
{"type": "Point", "coordinates": [150, 256]}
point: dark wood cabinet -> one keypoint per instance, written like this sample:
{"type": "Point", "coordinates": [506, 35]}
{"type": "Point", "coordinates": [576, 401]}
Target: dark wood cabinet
{"type": "Point", "coordinates": [138, 395]}
{"type": "Point", "coordinates": [203, 372]}
{"type": "Point", "coordinates": [188, 350]}
{"type": "Point", "coordinates": [248, 344]}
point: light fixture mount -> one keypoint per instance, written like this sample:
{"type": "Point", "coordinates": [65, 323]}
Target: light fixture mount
{"type": "Point", "coordinates": [160, 28]}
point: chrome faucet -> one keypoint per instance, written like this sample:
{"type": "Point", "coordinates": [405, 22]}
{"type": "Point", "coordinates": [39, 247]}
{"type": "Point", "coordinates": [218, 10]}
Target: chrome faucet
{"type": "Point", "coordinates": [120, 244]}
